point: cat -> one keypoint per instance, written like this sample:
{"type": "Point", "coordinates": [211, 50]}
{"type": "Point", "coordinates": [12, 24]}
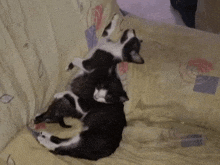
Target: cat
{"type": "Point", "coordinates": [107, 53]}
{"type": "Point", "coordinates": [102, 85]}
{"type": "Point", "coordinates": [102, 116]}
{"type": "Point", "coordinates": [101, 135]}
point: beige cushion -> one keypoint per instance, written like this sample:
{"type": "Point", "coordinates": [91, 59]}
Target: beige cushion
{"type": "Point", "coordinates": [163, 108]}
{"type": "Point", "coordinates": [38, 39]}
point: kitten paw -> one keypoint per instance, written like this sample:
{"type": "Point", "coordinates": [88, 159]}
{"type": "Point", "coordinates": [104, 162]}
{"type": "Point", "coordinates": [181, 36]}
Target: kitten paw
{"type": "Point", "coordinates": [44, 139]}
{"type": "Point", "coordinates": [45, 135]}
{"type": "Point", "coordinates": [77, 62]}
{"type": "Point", "coordinates": [116, 17]}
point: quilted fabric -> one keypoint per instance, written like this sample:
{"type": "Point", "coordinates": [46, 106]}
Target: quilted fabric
{"type": "Point", "coordinates": [169, 122]}
{"type": "Point", "coordinates": [38, 39]}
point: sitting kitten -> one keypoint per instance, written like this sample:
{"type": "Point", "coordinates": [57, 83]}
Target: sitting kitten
{"type": "Point", "coordinates": [102, 85]}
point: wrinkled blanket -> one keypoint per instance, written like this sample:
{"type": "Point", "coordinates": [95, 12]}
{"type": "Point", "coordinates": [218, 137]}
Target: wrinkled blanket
{"type": "Point", "coordinates": [174, 109]}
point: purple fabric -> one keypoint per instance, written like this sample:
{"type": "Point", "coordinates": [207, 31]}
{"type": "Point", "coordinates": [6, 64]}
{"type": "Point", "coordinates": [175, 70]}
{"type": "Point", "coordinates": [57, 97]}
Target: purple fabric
{"type": "Point", "coordinates": [192, 140]}
{"type": "Point", "coordinates": [91, 37]}
{"type": "Point", "coordinates": [206, 84]}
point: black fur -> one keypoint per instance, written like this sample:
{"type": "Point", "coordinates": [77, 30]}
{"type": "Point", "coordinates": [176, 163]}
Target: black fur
{"type": "Point", "coordinates": [60, 108]}
{"type": "Point", "coordinates": [132, 45]}
{"type": "Point", "coordinates": [84, 87]}
{"type": "Point", "coordinates": [124, 36]}
{"type": "Point", "coordinates": [187, 10]}
{"type": "Point", "coordinates": [105, 123]}
{"type": "Point", "coordinates": [100, 59]}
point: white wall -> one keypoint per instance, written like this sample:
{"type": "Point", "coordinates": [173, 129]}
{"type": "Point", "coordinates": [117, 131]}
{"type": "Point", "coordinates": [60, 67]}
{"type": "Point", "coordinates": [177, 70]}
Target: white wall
{"type": "Point", "coordinates": [158, 10]}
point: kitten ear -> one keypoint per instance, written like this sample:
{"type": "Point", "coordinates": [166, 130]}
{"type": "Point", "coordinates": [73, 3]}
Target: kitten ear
{"type": "Point", "coordinates": [136, 58]}
{"type": "Point", "coordinates": [124, 98]}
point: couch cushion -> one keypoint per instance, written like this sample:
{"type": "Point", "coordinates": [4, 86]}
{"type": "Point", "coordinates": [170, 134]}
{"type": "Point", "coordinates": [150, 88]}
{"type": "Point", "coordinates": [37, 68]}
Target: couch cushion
{"type": "Point", "coordinates": [38, 39]}
{"type": "Point", "coordinates": [165, 116]}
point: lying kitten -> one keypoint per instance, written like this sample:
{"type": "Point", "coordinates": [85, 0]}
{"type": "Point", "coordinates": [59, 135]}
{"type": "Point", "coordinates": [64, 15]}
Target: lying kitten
{"type": "Point", "coordinates": [107, 53]}
{"type": "Point", "coordinates": [102, 85]}
{"type": "Point", "coordinates": [103, 122]}
{"type": "Point", "coordinates": [100, 137]}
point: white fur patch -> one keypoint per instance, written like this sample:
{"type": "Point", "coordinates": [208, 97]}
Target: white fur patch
{"type": "Point", "coordinates": [113, 48]}
{"type": "Point", "coordinates": [47, 143]}
{"type": "Point", "coordinates": [85, 128]}
{"type": "Point", "coordinates": [60, 95]}
{"type": "Point", "coordinates": [72, 141]}
{"type": "Point", "coordinates": [38, 114]}
{"type": "Point", "coordinates": [99, 95]}
{"type": "Point", "coordinates": [78, 62]}
{"type": "Point", "coordinates": [46, 134]}
{"type": "Point", "coordinates": [44, 139]}
{"type": "Point", "coordinates": [130, 34]}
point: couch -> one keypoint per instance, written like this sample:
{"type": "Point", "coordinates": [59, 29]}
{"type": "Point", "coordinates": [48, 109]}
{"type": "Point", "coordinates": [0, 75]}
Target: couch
{"type": "Point", "coordinates": [173, 112]}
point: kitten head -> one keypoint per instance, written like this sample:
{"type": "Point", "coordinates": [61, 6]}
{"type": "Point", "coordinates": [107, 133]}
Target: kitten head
{"type": "Point", "coordinates": [132, 45]}
{"type": "Point", "coordinates": [110, 90]}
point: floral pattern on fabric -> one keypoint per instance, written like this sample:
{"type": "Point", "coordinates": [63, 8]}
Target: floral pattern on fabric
{"type": "Point", "coordinates": [6, 98]}
{"type": "Point", "coordinates": [194, 67]}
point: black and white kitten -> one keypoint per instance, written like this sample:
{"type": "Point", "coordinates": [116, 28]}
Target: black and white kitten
{"type": "Point", "coordinates": [101, 135]}
{"type": "Point", "coordinates": [101, 85]}
{"type": "Point", "coordinates": [107, 53]}
{"type": "Point", "coordinates": [103, 121]}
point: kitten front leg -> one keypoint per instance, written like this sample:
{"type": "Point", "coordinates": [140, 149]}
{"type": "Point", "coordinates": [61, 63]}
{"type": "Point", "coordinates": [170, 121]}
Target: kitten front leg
{"type": "Point", "coordinates": [44, 139]}
{"type": "Point", "coordinates": [111, 26]}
